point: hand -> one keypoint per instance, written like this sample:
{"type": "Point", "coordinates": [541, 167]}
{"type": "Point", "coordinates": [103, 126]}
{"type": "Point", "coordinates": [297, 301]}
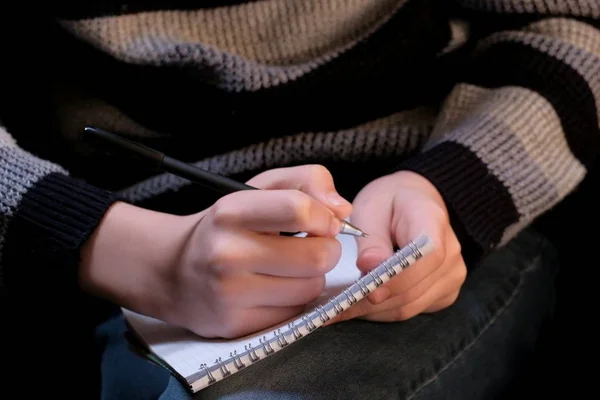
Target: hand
{"type": "Point", "coordinates": [394, 210]}
{"type": "Point", "coordinates": [226, 271]}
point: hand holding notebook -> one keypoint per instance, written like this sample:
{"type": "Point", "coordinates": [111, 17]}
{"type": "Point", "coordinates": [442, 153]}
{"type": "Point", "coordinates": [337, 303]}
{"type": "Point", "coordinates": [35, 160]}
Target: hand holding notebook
{"type": "Point", "coordinates": [200, 362]}
{"type": "Point", "coordinates": [235, 277]}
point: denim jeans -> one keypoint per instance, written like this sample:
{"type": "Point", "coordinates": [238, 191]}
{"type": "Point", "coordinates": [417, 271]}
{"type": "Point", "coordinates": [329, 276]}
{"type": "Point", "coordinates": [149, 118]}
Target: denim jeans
{"type": "Point", "coordinates": [470, 350]}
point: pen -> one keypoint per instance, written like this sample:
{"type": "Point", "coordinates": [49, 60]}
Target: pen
{"type": "Point", "coordinates": [162, 162]}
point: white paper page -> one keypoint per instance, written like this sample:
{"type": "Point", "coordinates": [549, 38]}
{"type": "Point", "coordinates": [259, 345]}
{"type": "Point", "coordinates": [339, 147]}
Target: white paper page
{"type": "Point", "coordinates": [185, 352]}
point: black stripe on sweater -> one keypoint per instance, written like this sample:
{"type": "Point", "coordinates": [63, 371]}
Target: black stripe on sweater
{"type": "Point", "coordinates": [482, 206]}
{"type": "Point", "coordinates": [41, 250]}
{"type": "Point", "coordinates": [351, 89]}
{"type": "Point", "coordinates": [513, 63]}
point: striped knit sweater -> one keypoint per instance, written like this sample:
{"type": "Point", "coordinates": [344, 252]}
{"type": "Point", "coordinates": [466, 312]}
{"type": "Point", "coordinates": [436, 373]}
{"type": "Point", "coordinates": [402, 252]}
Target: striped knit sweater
{"type": "Point", "coordinates": [495, 101]}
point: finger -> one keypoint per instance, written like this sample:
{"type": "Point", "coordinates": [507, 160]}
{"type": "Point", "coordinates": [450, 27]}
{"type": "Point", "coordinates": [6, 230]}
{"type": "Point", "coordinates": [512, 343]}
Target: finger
{"type": "Point", "coordinates": [271, 211]}
{"type": "Point", "coordinates": [314, 180]}
{"type": "Point", "coordinates": [378, 246]}
{"type": "Point", "coordinates": [443, 288]}
{"type": "Point", "coordinates": [413, 225]}
{"type": "Point", "coordinates": [411, 277]}
{"type": "Point", "coordinates": [373, 218]}
{"type": "Point", "coordinates": [273, 291]}
{"type": "Point", "coordinates": [371, 257]}
{"type": "Point", "coordinates": [281, 256]}
{"type": "Point", "coordinates": [397, 301]}
{"type": "Point", "coordinates": [396, 298]}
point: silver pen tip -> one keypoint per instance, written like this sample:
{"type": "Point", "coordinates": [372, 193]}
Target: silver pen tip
{"type": "Point", "coordinates": [349, 229]}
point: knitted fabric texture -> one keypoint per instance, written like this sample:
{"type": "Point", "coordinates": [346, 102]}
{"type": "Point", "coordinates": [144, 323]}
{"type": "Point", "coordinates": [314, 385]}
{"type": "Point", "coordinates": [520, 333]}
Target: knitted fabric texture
{"type": "Point", "coordinates": [496, 102]}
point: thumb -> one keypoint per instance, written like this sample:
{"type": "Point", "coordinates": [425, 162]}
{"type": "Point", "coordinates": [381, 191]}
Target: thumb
{"type": "Point", "coordinates": [374, 217]}
{"type": "Point", "coordinates": [314, 180]}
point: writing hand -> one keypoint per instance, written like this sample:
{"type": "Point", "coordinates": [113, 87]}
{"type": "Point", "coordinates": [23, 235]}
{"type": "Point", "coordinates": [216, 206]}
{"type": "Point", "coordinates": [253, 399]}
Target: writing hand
{"type": "Point", "coordinates": [224, 272]}
{"type": "Point", "coordinates": [394, 210]}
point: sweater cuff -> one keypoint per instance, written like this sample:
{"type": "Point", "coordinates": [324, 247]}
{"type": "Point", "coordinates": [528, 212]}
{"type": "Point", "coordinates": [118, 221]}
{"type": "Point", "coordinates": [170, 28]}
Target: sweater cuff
{"type": "Point", "coordinates": [54, 219]}
{"type": "Point", "coordinates": [480, 206]}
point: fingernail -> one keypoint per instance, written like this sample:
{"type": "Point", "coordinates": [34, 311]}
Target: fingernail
{"type": "Point", "coordinates": [336, 200]}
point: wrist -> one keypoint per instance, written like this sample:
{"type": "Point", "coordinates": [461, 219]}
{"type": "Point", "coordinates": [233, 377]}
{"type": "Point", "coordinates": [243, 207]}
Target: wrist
{"type": "Point", "coordinates": [125, 257]}
{"type": "Point", "coordinates": [470, 249]}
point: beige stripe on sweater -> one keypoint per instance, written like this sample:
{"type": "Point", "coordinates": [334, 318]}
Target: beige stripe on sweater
{"type": "Point", "coordinates": [273, 32]}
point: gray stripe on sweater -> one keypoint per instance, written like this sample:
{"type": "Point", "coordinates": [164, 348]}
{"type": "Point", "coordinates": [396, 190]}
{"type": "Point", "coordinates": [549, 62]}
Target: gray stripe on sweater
{"type": "Point", "coordinates": [518, 135]}
{"type": "Point", "coordinates": [244, 47]}
{"type": "Point", "coordinates": [392, 136]}
{"type": "Point", "coordinates": [582, 8]}
{"type": "Point", "coordinates": [19, 171]}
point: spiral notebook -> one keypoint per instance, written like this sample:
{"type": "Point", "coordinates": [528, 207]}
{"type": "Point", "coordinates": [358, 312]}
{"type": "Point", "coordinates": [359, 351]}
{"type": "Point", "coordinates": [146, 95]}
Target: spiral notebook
{"type": "Point", "coordinates": [200, 362]}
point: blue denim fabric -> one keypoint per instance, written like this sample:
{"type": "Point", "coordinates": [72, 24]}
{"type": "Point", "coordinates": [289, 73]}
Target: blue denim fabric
{"type": "Point", "coordinates": [471, 350]}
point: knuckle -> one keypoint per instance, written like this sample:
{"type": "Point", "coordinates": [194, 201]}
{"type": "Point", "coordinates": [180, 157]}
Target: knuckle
{"type": "Point", "coordinates": [441, 215]}
{"type": "Point", "coordinates": [318, 171]}
{"type": "Point", "coordinates": [456, 246]}
{"type": "Point", "coordinates": [323, 258]}
{"type": "Point", "coordinates": [460, 274]}
{"type": "Point", "coordinates": [214, 255]}
{"type": "Point", "coordinates": [405, 313]}
{"type": "Point", "coordinates": [448, 301]}
{"type": "Point", "coordinates": [224, 212]}
{"type": "Point", "coordinates": [222, 256]}
{"type": "Point", "coordinates": [438, 256]}
{"type": "Point", "coordinates": [300, 206]}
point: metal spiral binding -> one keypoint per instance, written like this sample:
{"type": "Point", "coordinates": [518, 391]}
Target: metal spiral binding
{"type": "Point", "coordinates": [322, 314]}
{"type": "Point", "coordinates": [295, 331]}
{"type": "Point", "coordinates": [281, 340]}
{"type": "Point", "coordinates": [376, 278]}
{"type": "Point", "coordinates": [401, 260]}
{"type": "Point", "coordinates": [237, 361]}
{"type": "Point", "coordinates": [388, 268]}
{"type": "Point", "coordinates": [211, 377]}
{"type": "Point", "coordinates": [364, 289]}
{"type": "Point", "coordinates": [337, 307]}
{"type": "Point", "coordinates": [415, 250]}
{"type": "Point", "coordinates": [224, 370]}
{"type": "Point", "coordinates": [349, 296]}
{"type": "Point", "coordinates": [252, 354]}
{"type": "Point", "coordinates": [266, 346]}
{"type": "Point", "coordinates": [309, 324]}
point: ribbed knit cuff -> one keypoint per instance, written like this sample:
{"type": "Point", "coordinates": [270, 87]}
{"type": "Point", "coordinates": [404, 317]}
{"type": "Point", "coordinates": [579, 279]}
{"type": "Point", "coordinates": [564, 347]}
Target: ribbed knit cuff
{"type": "Point", "coordinates": [53, 220]}
{"type": "Point", "coordinates": [480, 205]}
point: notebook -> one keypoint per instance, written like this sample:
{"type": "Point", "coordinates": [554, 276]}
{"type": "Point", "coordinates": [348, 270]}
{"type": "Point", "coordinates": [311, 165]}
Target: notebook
{"type": "Point", "coordinates": [200, 362]}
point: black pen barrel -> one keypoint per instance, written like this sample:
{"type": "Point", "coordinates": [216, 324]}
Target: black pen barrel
{"type": "Point", "coordinates": [202, 177]}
